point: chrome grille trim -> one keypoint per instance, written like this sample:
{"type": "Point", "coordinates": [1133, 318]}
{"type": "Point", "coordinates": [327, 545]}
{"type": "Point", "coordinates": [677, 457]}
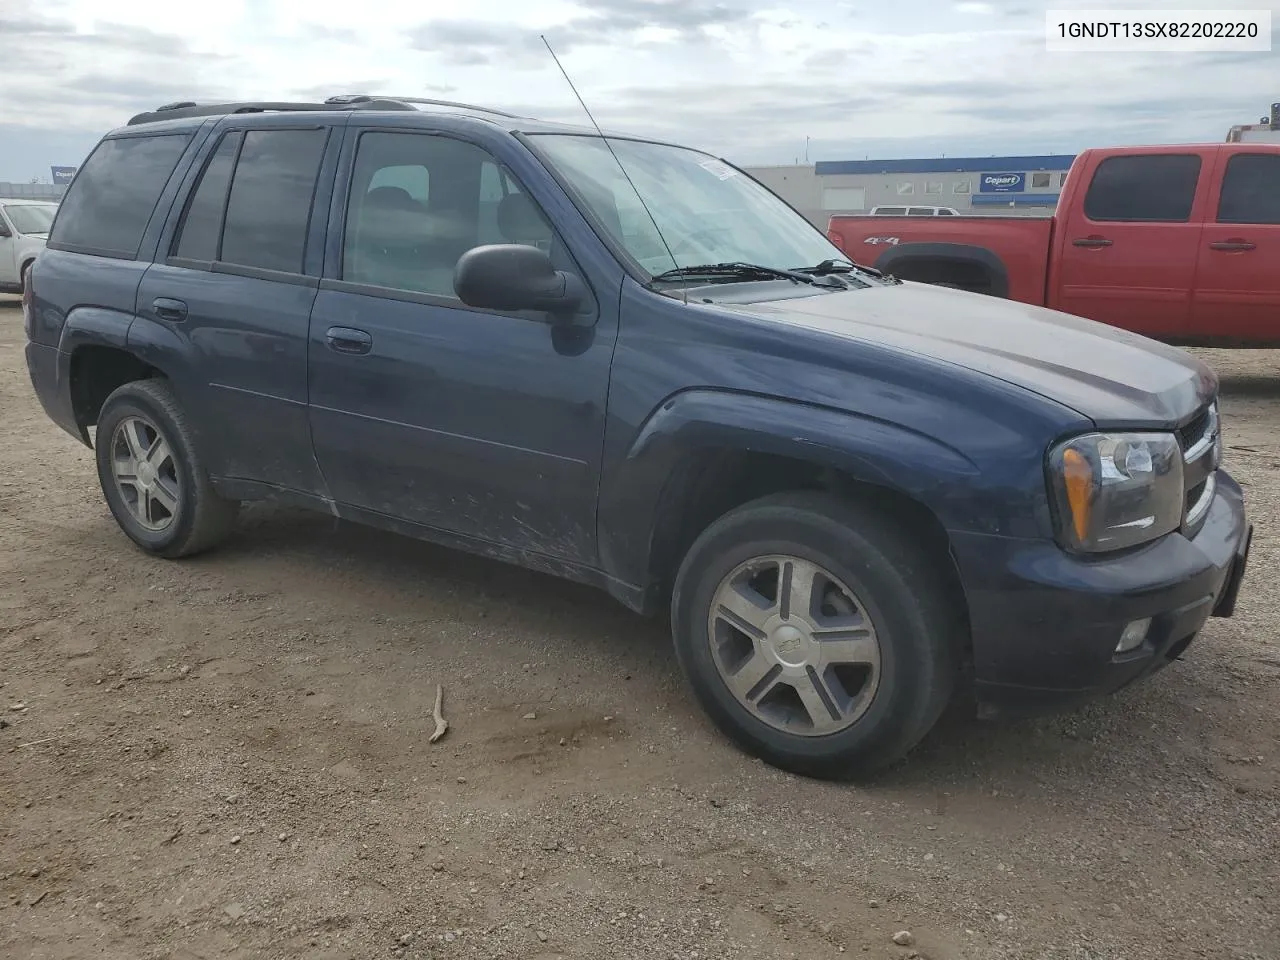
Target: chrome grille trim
{"type": "Point", "coordinates": [1200, 439]}
{"type": "Point", "coordinates": [1200, 508]}
{"type": "Point", "coordinates": [1202, 445]}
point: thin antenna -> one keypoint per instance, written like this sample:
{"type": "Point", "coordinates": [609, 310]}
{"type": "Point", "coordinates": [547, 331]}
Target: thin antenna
{"type": "Point", "coordinates": [585, 109]}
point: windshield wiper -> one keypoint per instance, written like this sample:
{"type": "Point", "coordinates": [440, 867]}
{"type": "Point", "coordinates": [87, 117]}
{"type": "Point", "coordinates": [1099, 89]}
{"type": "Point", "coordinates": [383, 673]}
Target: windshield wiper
{"type": "Point", "coordinates": [828, 267]}
{"type": "Point", "coordinates": [732, 271]}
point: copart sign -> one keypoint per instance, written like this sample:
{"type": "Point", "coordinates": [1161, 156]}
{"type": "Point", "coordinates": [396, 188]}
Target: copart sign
{"type": "Point", "coordinates": [1002, 182]}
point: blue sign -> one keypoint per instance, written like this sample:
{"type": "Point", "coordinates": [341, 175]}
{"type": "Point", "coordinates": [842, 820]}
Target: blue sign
{"type": "Point", "coordinates": [62, 175]}
{"type": "Point", "coordinates": [1002, 182]}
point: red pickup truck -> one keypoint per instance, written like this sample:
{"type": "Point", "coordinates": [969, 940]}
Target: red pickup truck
{"type": "Point", "coordinates": [1178, 243]}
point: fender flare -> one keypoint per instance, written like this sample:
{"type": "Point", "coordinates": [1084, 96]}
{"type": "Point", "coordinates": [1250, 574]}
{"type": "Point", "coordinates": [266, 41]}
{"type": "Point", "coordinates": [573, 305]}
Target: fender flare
{"type": "Point", "coordinates": [88, 327]}
{"type": "Point", "coordinates": [697, 423]}
{"type": "Point", "coordinates": [957, 252]}
{"type": "Point", "coordinates": [149, 342]}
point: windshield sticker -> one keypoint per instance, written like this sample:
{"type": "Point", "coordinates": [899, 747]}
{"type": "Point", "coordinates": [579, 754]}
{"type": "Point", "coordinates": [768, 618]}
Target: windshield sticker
{"type": "Point", "coordinates": [722, 170]}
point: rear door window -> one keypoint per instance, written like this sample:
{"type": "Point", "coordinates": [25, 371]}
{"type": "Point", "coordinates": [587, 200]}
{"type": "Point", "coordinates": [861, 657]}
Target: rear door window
{"type": "Point", "coordinates": [269, 207]}
{"type": "Point", "coordinates": [110, 202]}
{"type": "Point", "coordinates": [1251, 189]}
{"type": "Point", "coordinates": [1152, 188]}
{"type": "Point", "coordinates": [201, 227]}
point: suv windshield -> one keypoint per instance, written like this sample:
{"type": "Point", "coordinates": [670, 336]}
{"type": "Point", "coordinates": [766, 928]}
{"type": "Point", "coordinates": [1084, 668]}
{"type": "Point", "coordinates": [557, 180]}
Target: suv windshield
{"type": "Point", "coordinates": [708, 212]}
{"type": "Point", "coordinates": [31, 218]}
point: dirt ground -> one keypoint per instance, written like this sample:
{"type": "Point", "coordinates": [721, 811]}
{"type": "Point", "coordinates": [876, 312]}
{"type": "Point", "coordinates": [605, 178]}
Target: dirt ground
{"type": "Point", "coordinates": [228, 757]}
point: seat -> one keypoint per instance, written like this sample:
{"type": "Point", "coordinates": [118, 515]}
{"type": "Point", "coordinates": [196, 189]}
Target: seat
{"type": "Point", "coordinates": [391, 236]}
{"type": "Point", "coordinates": [520, 221]}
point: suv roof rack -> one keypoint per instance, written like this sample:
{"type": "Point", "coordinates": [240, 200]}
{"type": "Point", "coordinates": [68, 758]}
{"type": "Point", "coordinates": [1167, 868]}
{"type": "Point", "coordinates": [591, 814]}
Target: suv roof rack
{"type": "Point", "coordinates": [348, 101]}
{"type": "Point", "coordinates": [458, 106]}
{"type": "Point", "coordinates": [189, 108]}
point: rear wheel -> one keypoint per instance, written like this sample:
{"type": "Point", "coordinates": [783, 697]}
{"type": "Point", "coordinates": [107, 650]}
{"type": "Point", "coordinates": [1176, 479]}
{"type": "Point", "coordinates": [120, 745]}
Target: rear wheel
{"type": "Point", "coordinates": [816, 634]}
{"type": "Point", "coordinates": [152, 476]}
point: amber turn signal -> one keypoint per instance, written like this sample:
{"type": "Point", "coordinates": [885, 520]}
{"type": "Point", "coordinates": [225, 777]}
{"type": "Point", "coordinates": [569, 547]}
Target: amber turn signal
{"type": "Point", "coordinates": [1077, 474]}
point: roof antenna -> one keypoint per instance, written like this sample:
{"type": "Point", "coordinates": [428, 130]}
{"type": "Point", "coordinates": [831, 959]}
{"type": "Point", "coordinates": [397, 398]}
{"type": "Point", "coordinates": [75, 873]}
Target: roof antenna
{"type": "Point", "coordinates": [585, 109]}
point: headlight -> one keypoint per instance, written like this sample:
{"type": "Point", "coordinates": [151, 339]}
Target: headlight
{"type": "Point", "coordinates": [1116, 490]}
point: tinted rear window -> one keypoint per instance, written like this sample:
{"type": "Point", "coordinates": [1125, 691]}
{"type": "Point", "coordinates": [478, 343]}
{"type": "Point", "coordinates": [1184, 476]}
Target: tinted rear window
{"type": "Point", "coordinates": [270, 204]}
{"type": "Point", "coordinates": [1155, 187]}
{"type": "Point", "coordinates": [202, 224]}
{"type": "Point", "coordinates": [1251, 189]}
{"type": "Point", "coordinates": [109, 203]}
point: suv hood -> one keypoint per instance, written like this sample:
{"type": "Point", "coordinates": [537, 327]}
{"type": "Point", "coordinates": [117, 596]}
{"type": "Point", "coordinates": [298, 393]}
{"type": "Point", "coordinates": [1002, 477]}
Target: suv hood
{"type": "Point", "coordinates": [1106, 374]}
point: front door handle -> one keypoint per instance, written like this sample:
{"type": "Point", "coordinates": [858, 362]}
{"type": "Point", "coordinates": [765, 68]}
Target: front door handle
{"type": "Point", "coordinates": [1239, 245]}
{"type": "Point", "coordinates": [1091, 242]}
{"type": "Point", "coordinates": [167, 308]}
{"type": "Point", "coordinates": [348, 340]}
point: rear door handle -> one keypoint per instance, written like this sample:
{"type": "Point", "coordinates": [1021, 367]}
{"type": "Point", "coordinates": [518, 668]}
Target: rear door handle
{"type": "Point", "coordinates": [1233, 245]}
{"type": "Point", "coordinates": [1091, 242]}
{"type": "Point", "coordinates": [348, 340]}
{"type": "Point", "coordinates": [167, 308]}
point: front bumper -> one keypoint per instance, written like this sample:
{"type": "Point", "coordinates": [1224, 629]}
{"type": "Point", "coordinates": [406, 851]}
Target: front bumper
{"type": "Point", "coordinates": [1045, 624]}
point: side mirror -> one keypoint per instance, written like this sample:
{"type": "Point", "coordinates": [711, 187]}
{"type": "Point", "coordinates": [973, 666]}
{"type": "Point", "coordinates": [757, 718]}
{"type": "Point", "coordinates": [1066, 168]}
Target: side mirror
{"type": "Point", "coordinates": [4, 230]}
{"type": "Point", "coordinates": [512, 276]}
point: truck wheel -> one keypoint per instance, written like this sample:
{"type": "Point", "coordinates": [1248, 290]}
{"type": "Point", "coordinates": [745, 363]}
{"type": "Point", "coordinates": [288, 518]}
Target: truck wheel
{"type": "Point", "coordinates": [152, 476]}
{"type": "Point", "coordinates": [816, 634]}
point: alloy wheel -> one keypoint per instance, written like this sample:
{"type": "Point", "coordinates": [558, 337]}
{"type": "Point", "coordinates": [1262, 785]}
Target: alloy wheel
{"type": "Point", "coordinates": [145, 473]}
{"type": "Point", "coordinates": [794, 645]}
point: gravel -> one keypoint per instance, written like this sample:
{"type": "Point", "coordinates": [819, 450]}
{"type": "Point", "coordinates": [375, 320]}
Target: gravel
{"type": "Point", "coordinates": [1141, 826]}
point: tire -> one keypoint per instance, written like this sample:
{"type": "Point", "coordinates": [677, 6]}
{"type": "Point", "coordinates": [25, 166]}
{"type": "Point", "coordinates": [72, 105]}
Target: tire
{"type": "Point", "coordinates": [197, 517]}
{"type": "Point", "coordinates": [24, 276]}
{"type": "Point", "coordinates": [917, 628]}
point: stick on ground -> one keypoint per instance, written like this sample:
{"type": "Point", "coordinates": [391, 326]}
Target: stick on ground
{"type": "Point", "coordinates": [441, 723]}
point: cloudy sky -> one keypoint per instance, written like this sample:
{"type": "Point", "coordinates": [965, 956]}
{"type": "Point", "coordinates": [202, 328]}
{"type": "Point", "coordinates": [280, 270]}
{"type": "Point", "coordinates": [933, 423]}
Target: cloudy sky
{"type": "Point", "coordinates": [750, 79]}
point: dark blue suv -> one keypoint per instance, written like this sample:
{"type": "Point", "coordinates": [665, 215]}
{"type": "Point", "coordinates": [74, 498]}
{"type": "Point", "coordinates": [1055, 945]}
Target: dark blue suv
{"type": "Point", "coordinates": [628, 363]}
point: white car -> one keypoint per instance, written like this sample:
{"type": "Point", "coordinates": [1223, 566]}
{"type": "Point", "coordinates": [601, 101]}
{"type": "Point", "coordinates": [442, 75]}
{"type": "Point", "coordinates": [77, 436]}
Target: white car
{"type": "Point", "coordinates": [24, 228]}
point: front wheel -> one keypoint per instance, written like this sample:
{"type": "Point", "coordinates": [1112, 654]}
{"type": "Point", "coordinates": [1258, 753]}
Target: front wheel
{"type": "Point", "coordinates": [152, 476]}
{"type": "Point", "coordinates": [815, 634]}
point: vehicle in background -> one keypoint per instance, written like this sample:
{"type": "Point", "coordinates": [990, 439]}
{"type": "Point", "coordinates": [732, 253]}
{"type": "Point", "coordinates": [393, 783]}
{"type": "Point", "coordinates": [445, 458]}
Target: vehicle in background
{"type": "Point", "coordinates": [1254, 133]}
{"type": "Point", "coordinates": [629, 364]}
{"type": "Point", "coordinates": [914, 211]}
{"type": "Point", "coordinates": [24, 228]}
{"type": "Point", "coordinates": [1266, 130]}
{"type": "Point", "coordinates": [1178, 243]}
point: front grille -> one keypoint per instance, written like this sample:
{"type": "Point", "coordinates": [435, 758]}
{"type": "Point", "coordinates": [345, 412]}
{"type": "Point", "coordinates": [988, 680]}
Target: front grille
{"type": "Point", "coordinates": [1192, 432]}
{"type": "Point", "coordinates": [1199, 439]}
